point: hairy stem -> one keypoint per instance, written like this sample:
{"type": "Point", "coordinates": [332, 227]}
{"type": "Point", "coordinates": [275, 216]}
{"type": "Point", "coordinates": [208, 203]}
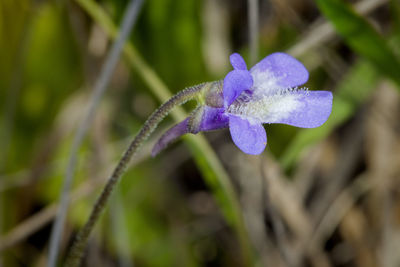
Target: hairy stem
{"type": "Point", "coordinates": [100, 87]}
{"type": "Point", "coordinates": [76, 253]}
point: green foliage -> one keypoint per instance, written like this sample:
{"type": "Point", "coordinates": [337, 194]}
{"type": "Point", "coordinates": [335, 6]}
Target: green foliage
{"type": "Point", "coordinates": [149, 233]}
{"type": "Point", "coordinates": [169, 36]}
{"type": "Point", "coordinates": [362, 37]}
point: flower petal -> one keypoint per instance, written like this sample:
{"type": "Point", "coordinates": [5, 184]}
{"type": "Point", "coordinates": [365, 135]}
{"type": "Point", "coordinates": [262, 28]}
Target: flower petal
{"type": "Point", "coordinates": [235, 83]}
{"type": "Point", "coordinates": [213, 119]}
{"type": "Point", "coordinates": [238, 62]}
{"type": "Point", "coordinates": [250, 138]}
{"type": "Point", "coordinates": [301, 109]}
{"type": "Point", "coordinates": [169, 136]}
{"type": "Point", "coordinates": [278, 71]}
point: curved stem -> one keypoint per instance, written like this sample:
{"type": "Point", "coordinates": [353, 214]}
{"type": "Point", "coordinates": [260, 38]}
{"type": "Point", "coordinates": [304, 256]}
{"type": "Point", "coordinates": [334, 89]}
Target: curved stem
{"type": "Point", "coordinates": [76, 253]}
{"type": "Point", "coordinates": [100, 87]}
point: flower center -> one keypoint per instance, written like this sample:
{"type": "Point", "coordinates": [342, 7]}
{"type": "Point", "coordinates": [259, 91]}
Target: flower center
{"type": "Point", "coordinates": [257, 107]}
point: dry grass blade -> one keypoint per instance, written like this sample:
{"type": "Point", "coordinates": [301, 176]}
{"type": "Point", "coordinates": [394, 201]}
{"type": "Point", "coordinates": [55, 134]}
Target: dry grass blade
{"type": "Point", "coordinates": [41, 218]}
{"type": "Point", "coordinates": [99, 89]}
{"type": "Point", "coordinates": [288, 204]}
{"type": "Point", "coordinates": [253, 19]}
{"type": "Point", "coordinates": [323, 32]}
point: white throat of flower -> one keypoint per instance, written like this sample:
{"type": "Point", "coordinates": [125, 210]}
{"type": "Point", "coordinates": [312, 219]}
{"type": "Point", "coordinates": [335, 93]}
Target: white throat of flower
{"type": "Point", "coordinates": [260, 107]}
{"type": "Point", "coordinates": [265, 81]}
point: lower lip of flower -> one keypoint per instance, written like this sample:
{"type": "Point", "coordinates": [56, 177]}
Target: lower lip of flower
{"type": "Point", "coordinates": [262, 108]}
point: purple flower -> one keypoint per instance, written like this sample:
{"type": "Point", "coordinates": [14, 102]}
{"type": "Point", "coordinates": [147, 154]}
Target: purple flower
{"type": "Point", "coordinates": [268, 93]}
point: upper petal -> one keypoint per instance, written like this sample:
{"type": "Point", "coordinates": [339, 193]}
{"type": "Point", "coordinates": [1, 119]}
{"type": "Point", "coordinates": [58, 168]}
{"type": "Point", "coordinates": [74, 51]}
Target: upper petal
{"type": "Point", "coordinates": [238, 62]}
{"type": "Point", "coordinates": [235, 83]}
{"type": "Point", "coordinates": [302, 109]}
{"type": "Point", "coordinates": [278, 71]}
{"type": "Point", "coordinates": [250, 138]}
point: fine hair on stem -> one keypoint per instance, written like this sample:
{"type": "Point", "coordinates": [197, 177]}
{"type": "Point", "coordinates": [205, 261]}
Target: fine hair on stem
{"type": "Point", "coordinates": [107, 70]}
{"type": "Point", "coordinates": [75, 255]}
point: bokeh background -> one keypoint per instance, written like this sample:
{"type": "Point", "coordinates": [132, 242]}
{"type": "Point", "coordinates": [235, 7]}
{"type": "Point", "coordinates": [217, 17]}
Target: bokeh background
{"type": "Point", "coordinates": [316, 197]}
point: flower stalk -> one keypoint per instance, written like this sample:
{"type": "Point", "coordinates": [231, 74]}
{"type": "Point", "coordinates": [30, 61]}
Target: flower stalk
{"type": "Point", "coordinates": [75, 255]}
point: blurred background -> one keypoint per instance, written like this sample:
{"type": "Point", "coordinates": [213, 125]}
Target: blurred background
{"type": "Point", "coordinates": [316, 197]}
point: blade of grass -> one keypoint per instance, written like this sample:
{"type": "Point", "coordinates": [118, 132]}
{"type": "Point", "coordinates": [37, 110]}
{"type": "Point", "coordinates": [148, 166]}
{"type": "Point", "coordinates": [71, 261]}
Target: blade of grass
{"type": "Point", "coordinates": [206, 159]}
{"type": "Point", "coordinates": [98, 91]}
{"type": "Point", "coordinates": [120, 229]}
{"type": "Point", "coordinates": [324, 32]}
{"type": "Point", "coordinates": [359, 34]}
{"type": "Point", "coordinates": [252, 13]}
{"type": "Point", "coordinates": [10, 108]}
{"type": "Point", "coordinates": [395, 16]}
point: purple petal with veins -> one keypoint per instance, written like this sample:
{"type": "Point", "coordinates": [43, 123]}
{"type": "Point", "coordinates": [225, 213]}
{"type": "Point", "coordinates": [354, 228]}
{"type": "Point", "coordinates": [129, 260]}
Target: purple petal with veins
{"type": "Point", "coordinates": [310, 109]}
{"type": "Point", "coordinates": [250, 138]}
{"type": "Point", "coordinates": [278, 71]}
{"type": "Point", "coordinates": [213, 119]}
{"type": "Point", "coordinates": [306, 109]}
{"type": "Point", "coordinates": [235, 83]}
